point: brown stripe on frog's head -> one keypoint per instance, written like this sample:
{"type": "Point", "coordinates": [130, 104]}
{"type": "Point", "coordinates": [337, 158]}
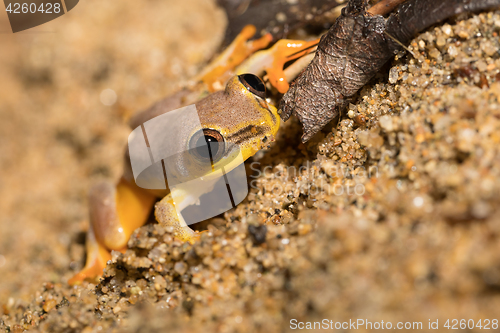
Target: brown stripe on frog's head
{"type": "Point", "coordinates": [241, 114]}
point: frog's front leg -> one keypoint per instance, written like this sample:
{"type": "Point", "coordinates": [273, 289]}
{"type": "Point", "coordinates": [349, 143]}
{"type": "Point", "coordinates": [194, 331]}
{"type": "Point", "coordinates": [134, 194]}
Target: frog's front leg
{"type": "Point", "coordinates": [166, 215]}
{"type": "Point", "coordinates": [220, 69]}
{"type": "Point", "coordinates": [114, 212]}
{"type": "Point", "coordinates": [272, 61]}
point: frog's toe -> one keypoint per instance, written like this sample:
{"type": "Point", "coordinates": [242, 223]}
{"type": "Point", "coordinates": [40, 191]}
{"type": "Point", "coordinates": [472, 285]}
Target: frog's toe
{"type": "Point", "coordinates": [197, 236]}
{"type": "Point", "coordinates": [284, 51]}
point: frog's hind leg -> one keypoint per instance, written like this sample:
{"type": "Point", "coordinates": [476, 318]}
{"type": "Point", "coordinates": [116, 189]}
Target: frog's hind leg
{"type": "Point", "coordinates": [166, 215]}
{"type": "Point", "coordinates": [115, 212]}
{"type": "Point", "coordinates": [97, 257]}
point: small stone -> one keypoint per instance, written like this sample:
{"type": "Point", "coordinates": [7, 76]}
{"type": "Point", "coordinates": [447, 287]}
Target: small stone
{"type": "Point", "coordinates": [180, 267]}
{"type": "Point", "coordinates": [393, 75]}
{"type": "Point", "coordinates": [452, 51]}
{"type": "Point", "coordinates": [160, 283]}
{"type": "Point", "coordinates": [434, 53]}
{"type": "Point", "coordinates": [133, 299]}
{"type": "Point", "coordinates": [463, 34]}
{"type": "Point", "coordinates": [488, 48]}
{"type": "Point", "coordinates": [447, 30]}
{"type": "Point", "coordinates": [386, 123]}
{"type": "Point", "coordinates": [481, 65]}
{"type": "Point", "coordinates": [441, 41]}
{"type": "Point", "coordinates": [49, 305]}
{"type": "Point", "coordinates": [425, 66]}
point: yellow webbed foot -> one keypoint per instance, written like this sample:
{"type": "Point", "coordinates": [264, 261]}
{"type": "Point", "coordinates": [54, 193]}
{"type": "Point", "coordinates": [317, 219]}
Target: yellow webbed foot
{"type": "Point", "coordinates": [274, 59]}
{"type": "Point", "coordinates": [97, 257]}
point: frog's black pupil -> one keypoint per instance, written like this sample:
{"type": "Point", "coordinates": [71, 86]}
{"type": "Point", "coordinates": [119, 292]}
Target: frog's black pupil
{"type": "Point", "coordinates": [203, 142]}
{"type": "Point", "coordinates": [255, 82]}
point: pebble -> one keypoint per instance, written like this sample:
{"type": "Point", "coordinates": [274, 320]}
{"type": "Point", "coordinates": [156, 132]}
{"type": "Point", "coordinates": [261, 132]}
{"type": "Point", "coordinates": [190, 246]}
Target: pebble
{"type": "Point", "coordinates": [180, 267]}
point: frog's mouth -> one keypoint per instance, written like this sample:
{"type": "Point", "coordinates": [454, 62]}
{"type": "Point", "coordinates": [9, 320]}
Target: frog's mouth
{"type": "Point", "coordinates": [247, 134]}
{"type": "Point", "coordinates": [232, 158]}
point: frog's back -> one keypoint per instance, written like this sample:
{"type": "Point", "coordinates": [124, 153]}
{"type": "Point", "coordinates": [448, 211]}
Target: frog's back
{"type": "Point", "coordinates": [172, 102]}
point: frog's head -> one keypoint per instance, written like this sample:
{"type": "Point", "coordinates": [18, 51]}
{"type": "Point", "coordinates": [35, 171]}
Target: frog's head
{"type": "Point", "coordinates": [235, 122]}
{"type": "Point", "coordinates": [237, 118]}
{"type": "Point", "coordinates": [239, 115]}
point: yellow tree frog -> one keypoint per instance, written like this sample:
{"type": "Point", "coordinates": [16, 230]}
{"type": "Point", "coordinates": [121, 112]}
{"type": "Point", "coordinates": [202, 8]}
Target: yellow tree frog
{"type": "Point", "coordinates": [238, 114]}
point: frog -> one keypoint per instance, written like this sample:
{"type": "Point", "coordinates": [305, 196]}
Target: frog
{"type": "Point", "coordinates": [230, 98]}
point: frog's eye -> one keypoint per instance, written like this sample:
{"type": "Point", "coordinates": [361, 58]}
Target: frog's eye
{"type": "Point", "coordinates": [254, 84]}
{"type": "Point", "coordinates": [207, 145]}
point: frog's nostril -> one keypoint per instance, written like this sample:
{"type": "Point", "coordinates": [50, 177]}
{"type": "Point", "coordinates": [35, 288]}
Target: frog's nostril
{"type": "Point", "coordinates": [254, 84]}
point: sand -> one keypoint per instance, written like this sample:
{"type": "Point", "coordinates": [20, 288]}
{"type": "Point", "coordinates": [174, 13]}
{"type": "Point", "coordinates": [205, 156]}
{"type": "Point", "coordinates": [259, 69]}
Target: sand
{"type": "Point", "coordinates": [389, 214]}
